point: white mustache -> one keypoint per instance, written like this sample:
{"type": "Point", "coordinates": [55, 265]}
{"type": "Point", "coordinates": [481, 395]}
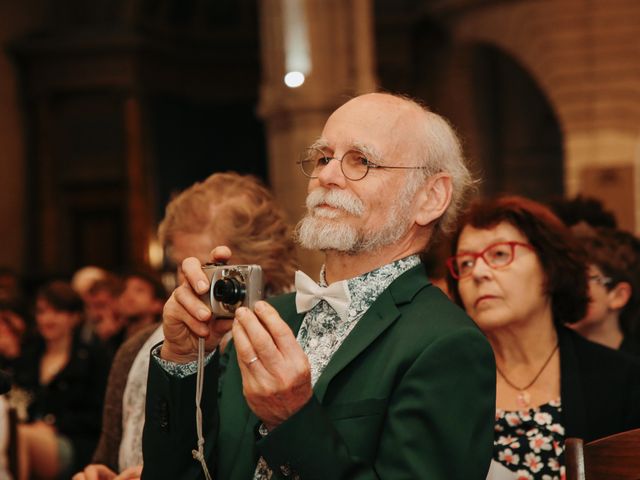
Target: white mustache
{"type": "Point", "coordinates": [337, 199]}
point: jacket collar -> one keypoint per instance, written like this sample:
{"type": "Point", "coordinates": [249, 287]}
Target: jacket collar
{"type": "Point", "coordinates": [380, 316]}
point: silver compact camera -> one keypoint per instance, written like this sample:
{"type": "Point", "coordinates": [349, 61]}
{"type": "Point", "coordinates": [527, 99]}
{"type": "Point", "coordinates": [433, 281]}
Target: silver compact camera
{"type": "Point", "coordinates": [232, 287]}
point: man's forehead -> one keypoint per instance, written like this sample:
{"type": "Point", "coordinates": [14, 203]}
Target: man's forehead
{"type": "Point", "coordinates": [348, 144]}
{"type": "Point", "coordinates": [367, 109]}
{"type": "Point", "coordinates": [380, 122]}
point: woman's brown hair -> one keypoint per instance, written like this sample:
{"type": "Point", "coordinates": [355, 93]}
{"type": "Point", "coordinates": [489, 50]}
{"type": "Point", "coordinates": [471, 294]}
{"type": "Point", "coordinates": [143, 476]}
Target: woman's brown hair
{"type": "Point", "coordinates": [563, 260]}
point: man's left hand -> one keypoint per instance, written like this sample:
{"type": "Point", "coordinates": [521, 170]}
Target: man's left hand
{"type": "Point", "coordinates": [276, 376]}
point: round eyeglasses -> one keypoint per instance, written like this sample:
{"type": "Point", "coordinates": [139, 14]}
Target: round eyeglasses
{"type": "Point", "coordinates": [354, 164]}
{"type": "Point", "coordinates": [497, 255]}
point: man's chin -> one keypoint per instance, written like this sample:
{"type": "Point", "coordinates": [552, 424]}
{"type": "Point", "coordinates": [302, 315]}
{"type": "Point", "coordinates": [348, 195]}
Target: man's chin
{"type": "Point", "coordinates": [324, 234]}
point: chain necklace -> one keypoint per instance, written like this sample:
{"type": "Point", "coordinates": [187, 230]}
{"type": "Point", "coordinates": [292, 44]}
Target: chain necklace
{"type": "Point", "coordinates": [524, 397]}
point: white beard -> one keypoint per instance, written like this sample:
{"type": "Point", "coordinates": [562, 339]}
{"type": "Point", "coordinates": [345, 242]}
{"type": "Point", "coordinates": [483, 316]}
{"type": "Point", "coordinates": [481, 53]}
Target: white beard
{"type": "Point", "coordinates": [320, 230]}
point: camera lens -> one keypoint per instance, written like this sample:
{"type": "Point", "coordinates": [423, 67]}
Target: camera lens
{"type": "Point", "coordinates": [229, 291]}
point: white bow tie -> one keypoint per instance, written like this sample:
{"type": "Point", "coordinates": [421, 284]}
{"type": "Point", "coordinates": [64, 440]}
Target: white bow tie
{"type": "Point", "coordinates": [309, 294]}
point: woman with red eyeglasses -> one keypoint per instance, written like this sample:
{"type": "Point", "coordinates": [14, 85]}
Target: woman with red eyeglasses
{"type": "Point", "coordinates": [520, 275]}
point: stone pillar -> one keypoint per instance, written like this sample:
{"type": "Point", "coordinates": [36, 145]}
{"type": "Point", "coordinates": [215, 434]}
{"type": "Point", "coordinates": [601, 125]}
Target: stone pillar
{"type": "Point", "coordinates": [340, 40]}
{"type": "Point", "coordinates": [16, 19]}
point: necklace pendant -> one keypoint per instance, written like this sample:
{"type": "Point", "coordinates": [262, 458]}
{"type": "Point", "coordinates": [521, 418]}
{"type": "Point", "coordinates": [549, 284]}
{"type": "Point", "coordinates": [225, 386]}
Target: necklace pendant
{"type": "Point", "coordinates": [524, 399]}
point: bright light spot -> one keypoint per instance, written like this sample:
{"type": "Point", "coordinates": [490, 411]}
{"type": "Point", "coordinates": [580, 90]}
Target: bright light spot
{"type": "Point", "coordinates": [156, 254]}
{"type": "Point", "coordinates": [294, 79]}
{"type": "Point", "coordinates": [297, 51]}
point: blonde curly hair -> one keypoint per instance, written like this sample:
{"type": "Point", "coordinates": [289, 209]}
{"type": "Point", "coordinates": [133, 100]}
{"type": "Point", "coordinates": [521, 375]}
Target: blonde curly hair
{"type": "Point", "coordinates": [242, 211]}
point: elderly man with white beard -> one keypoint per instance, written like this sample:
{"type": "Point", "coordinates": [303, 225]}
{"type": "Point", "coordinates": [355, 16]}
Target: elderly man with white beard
{"type": "Point", "coordinates": [373, 373]}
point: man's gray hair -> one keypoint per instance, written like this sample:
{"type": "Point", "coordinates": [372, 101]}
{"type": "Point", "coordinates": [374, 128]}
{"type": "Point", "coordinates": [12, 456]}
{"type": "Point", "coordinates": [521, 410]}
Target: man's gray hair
{"type": "Point", "coordinates": [441, 151]}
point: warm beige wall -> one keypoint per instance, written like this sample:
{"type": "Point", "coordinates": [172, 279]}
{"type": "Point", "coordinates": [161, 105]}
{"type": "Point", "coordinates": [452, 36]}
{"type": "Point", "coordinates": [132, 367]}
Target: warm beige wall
{"type": "Point", "coordinates": [585, 56]}
{"type": "Point", "coordinates": [16, 18]}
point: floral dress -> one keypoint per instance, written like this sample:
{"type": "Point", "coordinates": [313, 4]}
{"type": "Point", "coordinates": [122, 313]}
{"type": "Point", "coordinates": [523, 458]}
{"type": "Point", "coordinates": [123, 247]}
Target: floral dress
{"type": "Point", "coordinates": [531, 442]}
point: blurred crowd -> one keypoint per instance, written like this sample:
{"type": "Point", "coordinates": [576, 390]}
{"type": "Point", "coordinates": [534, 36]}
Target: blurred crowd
{"type": "Point", "coordinates": [57, 348]}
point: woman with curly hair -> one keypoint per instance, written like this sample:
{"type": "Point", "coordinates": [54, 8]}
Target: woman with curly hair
{"type": "Point", "coordinates": [519, 274]}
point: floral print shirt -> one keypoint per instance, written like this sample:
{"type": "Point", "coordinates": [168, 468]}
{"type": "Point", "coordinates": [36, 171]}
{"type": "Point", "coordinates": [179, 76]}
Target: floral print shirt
{"type": "Point", "coordinates": [531, 442]}
{"type": "Point", "coordinates": [322, 332]}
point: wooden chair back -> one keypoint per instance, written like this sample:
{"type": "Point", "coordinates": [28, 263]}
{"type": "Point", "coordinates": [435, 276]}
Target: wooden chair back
{"type": "Point", "coordinates": [616, 457]}
{"type": "Point", "coordinates": [12, 449]}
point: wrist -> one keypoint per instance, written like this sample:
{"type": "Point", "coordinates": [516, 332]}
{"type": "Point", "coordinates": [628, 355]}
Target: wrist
{"type": "Point", "coordinates": [170, 356]}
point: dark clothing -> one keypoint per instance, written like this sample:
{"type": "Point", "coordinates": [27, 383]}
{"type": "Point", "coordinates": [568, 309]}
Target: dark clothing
{"type": "Point", "coordinates": [113, 343]}
{"type": "Point", "coordinates": [599, 388]}
{"type": "Point", "coordinates": [108, 449]}
{"type": "Point", "coordinates": [629, 345]}
{"type": "Point", "coordinates": [72, 400]}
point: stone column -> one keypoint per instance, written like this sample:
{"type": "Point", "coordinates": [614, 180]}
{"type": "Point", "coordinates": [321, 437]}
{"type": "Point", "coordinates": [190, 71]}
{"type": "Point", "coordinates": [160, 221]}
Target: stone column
{"type": "Point", "coordinates": [340, 40]}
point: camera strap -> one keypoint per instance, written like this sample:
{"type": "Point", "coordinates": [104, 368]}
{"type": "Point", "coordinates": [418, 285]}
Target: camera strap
{"type": "Point", "coordinates": [199, 453]}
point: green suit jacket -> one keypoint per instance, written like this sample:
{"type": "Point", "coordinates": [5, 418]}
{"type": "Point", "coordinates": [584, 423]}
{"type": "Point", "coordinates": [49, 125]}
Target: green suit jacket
{"type": "Point", "coordinates": [410, 394]}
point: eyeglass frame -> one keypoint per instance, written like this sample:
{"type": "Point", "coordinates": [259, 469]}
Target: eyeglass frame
{"type": "Point", "coordinates": [370, 164]}
{"type": "Point", "coordinates": [602, 280]}
{"type": "Point", "coordinates": [512, 244]}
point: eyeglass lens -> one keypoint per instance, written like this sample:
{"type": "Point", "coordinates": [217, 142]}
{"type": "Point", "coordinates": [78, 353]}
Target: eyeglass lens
{"type": "Point", "coordinates": [354, 164]}
{"type": "Point", "coordinates": [496, 256]}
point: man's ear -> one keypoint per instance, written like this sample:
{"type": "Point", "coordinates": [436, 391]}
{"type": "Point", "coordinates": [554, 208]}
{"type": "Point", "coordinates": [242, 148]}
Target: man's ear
{"type": "Point", "coordinates": [619, 295]}
{"type": "Point", "coordinates": [433, 198]}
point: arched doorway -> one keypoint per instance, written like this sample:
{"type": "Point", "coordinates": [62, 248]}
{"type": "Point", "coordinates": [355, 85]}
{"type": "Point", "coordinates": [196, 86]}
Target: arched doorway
{"type": "Point", "coordinates": [511, 133]}
{"type": "Point", "coordinates": [521, 142]}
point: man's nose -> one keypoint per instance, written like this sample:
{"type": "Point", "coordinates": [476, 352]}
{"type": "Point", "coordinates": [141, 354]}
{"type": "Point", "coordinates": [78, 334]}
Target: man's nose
{"type": "Point", "coordinates": [332, 174]}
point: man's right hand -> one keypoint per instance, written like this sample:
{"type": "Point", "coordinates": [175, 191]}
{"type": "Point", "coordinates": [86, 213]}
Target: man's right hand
{"type": "Point", "coordinates": [186, 318]}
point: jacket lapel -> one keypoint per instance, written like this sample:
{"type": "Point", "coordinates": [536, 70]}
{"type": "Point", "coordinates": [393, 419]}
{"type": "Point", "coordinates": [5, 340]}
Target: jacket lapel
{"type": "Point", "coordinates": [382, 314]}
{"type": "Point", "coordinates": [286, 306]}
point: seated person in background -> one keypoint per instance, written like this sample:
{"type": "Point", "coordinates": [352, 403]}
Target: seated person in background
{"type": "Point", "coordinates": [614, 288]}
{"type": "Point", "coordinates": [84, 277]}
{"type": "Point", "coordinates": [226, 207]}
{"type": "Point", "coordinates": [583, 210]}
{"type": "Point", "coordinates": [368, 375]}
{"type": "Point", "coordinates": [141, 300]}
{"type": "Point", "coordinates": [521, 276]}
{"type": "Point", "coordinates": [12, 330]}
{"type": "Point", "coordinates": [66, 380]}
{"type": "Point", "coordinates": [11, 286]}
{"type": "Point", "coordinates": [101, 307]}
{"type": "Point", "coordinates": [81, 281]}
